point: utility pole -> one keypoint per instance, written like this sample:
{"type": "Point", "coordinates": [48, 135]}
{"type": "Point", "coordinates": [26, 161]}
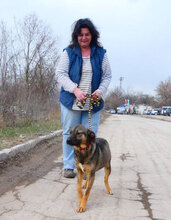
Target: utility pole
{"type": "Point", "coordinates": [121, 79]}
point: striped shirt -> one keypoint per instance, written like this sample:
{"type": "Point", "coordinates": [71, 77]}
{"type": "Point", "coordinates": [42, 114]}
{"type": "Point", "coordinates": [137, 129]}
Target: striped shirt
{"type": "Point", "coordinates": [86, 77]}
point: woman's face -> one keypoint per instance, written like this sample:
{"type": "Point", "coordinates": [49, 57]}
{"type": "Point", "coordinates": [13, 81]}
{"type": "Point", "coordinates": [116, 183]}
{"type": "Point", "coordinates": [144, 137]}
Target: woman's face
{"type": "Point", "coordinates": [84, 38]}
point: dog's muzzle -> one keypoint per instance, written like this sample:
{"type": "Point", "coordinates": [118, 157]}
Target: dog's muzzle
{"type": "Point", "coordinates": [69, 141]}
{"type": "Point", "coordinates": [73, 141]}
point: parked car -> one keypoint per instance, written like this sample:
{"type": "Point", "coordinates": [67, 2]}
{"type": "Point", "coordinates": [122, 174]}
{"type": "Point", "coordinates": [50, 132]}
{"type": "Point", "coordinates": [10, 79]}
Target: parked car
{"type": "Point", "coordinates": [121, 110]}
{"type": "Point", "coordinates": [112, 111]}
{"type": "Point", "coordinates": [148, 112]}
{"type": "Point", "coordinates": [154, 111]}
{"type": "Point", "coordinates": [108, 111]}
{"type": "Point", "coordinates": [164, 108]}
{"type": "Point", "coordinates": [168, 111]}
{"type": "Point", "coordinates": [159, 111]}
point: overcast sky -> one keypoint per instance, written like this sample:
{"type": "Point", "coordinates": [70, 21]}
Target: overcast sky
{"type": "Point", "coordinates": [136, 33]}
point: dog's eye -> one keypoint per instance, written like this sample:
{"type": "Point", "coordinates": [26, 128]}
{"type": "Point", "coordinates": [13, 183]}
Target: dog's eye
{"type": "Point", "coordinates": [71, 131]}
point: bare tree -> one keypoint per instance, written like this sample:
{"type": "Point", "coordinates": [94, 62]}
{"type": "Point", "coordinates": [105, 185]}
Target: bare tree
{"type": "Point", "coordinates": [118, 97]}
{"type": "Point", "coordinates": [6, 74]}
{"type": "Point", "coordinates": [4, 53]}
{"type": "Point", "coordinates": [164, 92]}
{"type": "Point", "coordinates": [28, 62]}
{"type": "Point", "coordinates": [38, 48]}
{"type": "Point", "coordinates": [115, 98]}
{"type": "Point", "coordinates": [38, 60]}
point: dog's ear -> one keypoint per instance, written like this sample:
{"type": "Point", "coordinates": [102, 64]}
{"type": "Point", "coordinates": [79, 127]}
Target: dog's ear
{"type": "Point", "coordinates": [91, 135]}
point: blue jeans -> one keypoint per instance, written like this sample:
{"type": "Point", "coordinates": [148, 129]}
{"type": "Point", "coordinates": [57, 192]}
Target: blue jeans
{"type": "Point", "coordinates": [69, 119]}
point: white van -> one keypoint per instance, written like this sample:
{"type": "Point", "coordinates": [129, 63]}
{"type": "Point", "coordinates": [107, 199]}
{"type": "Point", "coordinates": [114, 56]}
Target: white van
{"type": "Point", "coordinates": [163, 109]}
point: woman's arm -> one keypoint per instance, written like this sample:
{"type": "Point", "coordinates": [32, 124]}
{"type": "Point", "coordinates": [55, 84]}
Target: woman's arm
{"type": "Point", "coordinates": [62, 73]}
{"type": "Point", "coordinates": [106, 78]}
{"type": "Point", "coordinates": [64, 80]}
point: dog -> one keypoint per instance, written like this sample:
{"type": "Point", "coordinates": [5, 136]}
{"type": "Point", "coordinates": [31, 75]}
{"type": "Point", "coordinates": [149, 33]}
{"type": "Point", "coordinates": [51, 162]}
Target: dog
{"type": "Point", "coordinates": [91, 154]}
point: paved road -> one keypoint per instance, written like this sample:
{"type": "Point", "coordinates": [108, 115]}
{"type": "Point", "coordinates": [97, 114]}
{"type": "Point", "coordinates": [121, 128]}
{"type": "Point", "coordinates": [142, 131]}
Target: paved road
{"type": "Point", "coordinates": [140, 179]}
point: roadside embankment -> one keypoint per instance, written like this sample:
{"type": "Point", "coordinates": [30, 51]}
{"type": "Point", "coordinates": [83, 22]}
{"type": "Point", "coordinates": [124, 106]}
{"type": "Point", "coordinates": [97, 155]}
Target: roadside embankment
{"type": "Point", "coordinates": [11, 152]}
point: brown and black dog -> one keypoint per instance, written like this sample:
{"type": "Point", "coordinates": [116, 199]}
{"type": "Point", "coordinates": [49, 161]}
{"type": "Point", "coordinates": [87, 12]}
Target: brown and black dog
{"type": "Point", "coordinates": [91, 154]}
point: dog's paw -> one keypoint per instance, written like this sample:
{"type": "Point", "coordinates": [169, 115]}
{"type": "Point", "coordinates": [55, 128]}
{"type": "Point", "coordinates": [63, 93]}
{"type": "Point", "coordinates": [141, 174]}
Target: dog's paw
{"type": "Point", "coordinates": [81, 209]}
{"type": "Point", "coordinates": [110, 192]}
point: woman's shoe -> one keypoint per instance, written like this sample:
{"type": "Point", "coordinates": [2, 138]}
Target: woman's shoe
{"type": "Point", "coordinates": [69, 173]}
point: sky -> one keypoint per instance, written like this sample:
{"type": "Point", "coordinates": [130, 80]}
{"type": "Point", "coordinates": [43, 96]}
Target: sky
{"type": "Point", "coordinates": [135, 33]}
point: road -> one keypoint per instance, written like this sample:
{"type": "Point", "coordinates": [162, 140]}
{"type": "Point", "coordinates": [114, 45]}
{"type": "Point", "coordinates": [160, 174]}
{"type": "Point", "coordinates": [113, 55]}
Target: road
{"type": "Point", "coordinates": [140, 179]}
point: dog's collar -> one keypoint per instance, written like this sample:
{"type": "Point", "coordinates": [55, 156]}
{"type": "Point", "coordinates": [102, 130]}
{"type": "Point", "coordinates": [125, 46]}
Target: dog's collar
{"type": "Point", "coordinates": [85, 148]}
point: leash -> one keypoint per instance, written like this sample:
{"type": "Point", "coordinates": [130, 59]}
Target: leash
{"type": "Point", "coordinates": [94, 101]}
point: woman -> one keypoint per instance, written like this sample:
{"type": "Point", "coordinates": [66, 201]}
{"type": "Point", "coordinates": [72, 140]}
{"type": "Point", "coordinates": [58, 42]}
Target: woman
{"type": "Point", "coordinates": [83, 69]}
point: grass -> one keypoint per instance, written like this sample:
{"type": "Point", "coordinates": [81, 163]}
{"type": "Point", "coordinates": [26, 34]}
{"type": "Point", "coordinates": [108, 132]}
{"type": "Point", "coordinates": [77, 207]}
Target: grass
{"type": "Point", "coordinates": [104, 116]}
{"type": "Point", "coordinates": [26, 130]}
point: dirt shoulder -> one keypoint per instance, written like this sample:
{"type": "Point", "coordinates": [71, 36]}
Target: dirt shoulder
{"type": "Point", "coordinates": [26, 168]}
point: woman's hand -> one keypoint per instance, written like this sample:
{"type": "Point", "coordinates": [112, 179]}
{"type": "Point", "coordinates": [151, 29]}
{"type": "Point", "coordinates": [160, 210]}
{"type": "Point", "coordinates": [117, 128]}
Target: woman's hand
{"type": "Point", "coordinates": [96, 94]}
{"type": "Point", "coordinates": [79, 94]}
